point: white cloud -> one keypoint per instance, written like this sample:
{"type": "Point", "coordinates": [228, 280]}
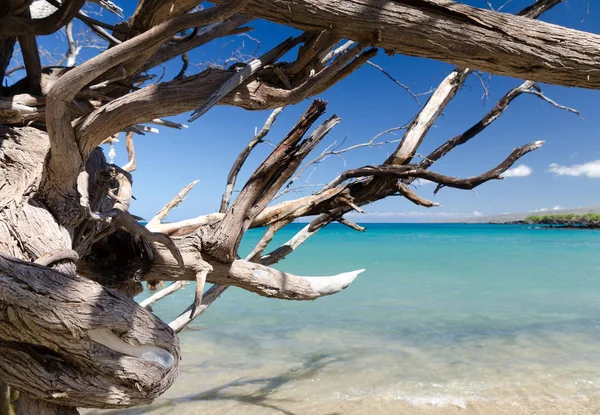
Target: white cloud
{"type": "Point", "coordinates": [423, 182]}
{"type": "Point", "coordinates": [520, 171]}
{"type": "Point", "coordinates": [590, 169]}
{"type": "Point", "coordinates": [557, 207]}
{"type": "Point", "coordinates": [477, 213]}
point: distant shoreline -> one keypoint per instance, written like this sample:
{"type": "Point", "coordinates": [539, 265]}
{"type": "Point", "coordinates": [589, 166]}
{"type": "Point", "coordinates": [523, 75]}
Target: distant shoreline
{"type": "Point", "coordinates": [522, 217]}
{"type": "Point", "coordinates": [568, 221]}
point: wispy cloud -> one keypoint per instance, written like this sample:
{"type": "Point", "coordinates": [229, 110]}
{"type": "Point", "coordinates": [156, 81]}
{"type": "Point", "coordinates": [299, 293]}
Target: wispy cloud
{"type": "Point", "coordinates": [557, 207]}
{"type": "Point", "coordinates": [519, 171]}
{"type": "Point", "coordinates": [590, 169]}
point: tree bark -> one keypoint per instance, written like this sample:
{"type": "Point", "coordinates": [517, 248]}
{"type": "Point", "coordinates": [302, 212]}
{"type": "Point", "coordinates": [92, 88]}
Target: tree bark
{"type": "Point", "coordinates": [83, 345]}
{"type": "Point", "coordinates": [489, 41]}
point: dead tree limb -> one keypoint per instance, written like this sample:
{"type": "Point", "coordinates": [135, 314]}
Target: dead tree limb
{"type": "Point", "coordinates": [131, 163]}
{"type": "Point", "coordinates": [64, 141]}
{"type": "Point", "coordinates": [243, 75]}
{"type": "Point", "coordinates": [266, 181]}
{"type": "Point", "coordinates": [172, 204]}
{"type": "Point", "coordinates": [441, 180]}
{"type": "Point", "coordinates": [241, 158]}
{"type": "Point", "coordinates": [174, 287]}
{"type": "Point", "coordinates": [184, 95]}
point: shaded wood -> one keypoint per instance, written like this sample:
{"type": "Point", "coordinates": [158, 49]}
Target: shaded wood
{"type": "Point", "coordinates": [5, 401]}
{"type": "Point", "coordinates": [7, 45]}
{"type": "Point", "coordinates": [31, 59]}
{"type": "Point", "coordinates": [27, 405]}
{"type": "Point", "coordinates": [12, 25]}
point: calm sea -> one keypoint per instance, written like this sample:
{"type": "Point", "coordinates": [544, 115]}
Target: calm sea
{"type": "Point", "coordinates": [483, 319]}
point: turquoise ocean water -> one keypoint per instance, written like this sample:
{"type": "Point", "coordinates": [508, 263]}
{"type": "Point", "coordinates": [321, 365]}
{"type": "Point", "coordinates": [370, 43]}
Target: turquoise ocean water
{"type": "Point", "coordinates": [446, 317]}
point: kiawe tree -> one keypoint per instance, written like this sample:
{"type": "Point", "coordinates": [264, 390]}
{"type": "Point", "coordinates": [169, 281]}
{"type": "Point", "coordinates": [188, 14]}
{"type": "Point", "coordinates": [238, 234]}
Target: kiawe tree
{"type": "Point", "coordinates": [72, 255]}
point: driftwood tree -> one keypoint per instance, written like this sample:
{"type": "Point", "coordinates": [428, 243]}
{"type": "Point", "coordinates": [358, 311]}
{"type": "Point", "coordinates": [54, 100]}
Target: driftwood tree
{"type": "Point", "coordinates": [72, 255]}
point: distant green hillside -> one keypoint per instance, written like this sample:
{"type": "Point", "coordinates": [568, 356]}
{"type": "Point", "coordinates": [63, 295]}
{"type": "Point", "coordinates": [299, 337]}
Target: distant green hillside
{"type": "Point", "coordinates": [569, 217]}
{"type": "Point", "coordinates": [524, 216]}
{"type": "Point", "coordinates": [572, 220]}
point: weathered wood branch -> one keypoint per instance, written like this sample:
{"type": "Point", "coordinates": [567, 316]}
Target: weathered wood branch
{"type": "Point", "coordinates": [227, 27]}
{"type": "Point", "coordinates": [264, 241]}
{"type": "Point", "coordinates": [178, 96]}
{"type": "Point", "coordinates": [169, 206]}
{"type": "Point", "coordinates": [351, 225]}
{"type": "Point", "coordinates": [466, 36]}
{"type": "Point", "coordinates": [208, 298]}
{"type": "Point", "coordinates": [284, 250]}
{"type": "Point", "coordinates": [268, 282]}
{"type": "Point", "coordinates": [83, 345]}
{"type": "Point", "coordinates": [416, 132]}
{"type": "Point", "coordinates": [187, 226]}
{"type": "Point", "coordinates": [58, 116]}
{"type": "Point", "coordinates": [247, 275]}
{"type": "Point", "coordinates": [176, 286]}
{"type": "Point", "coordinates": [244, 74]}
{"type": "Point", "coordinates": [487, 119]}
{"type": "Point", "coordinates": [241, 158]}
{"type": "Point", "coordinates": [408, 193]}
{"type": "Point", "coordinates": [442, 95]}
{"type": "Point", "coordinates": [266, 181]}
{"type": "Point", "coordinates": [131, 164]}
{"type": "Point", "coordinates": [442, 180]}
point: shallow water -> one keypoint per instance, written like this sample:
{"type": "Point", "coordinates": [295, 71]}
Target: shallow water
{"type": "Point", "coordinates": [467, 318]}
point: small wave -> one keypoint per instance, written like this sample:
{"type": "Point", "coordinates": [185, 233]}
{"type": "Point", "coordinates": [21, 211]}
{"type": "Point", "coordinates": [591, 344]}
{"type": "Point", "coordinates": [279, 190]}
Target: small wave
{"type": "Point", "coordinates": [356, 394]}
{"type": "Point", "coordinates": [439, 401]}
{"type": "Point", "coordinates": [431, 400]}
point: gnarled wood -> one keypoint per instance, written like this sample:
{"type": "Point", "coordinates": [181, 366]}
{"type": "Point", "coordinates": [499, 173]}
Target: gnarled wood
{"type": "Point", "coordinates": [69, 333]}
{"type": "Point", "coordinates": [76, 370]}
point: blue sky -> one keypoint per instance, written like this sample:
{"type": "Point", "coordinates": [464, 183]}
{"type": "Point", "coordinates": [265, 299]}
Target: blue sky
{"type": "Point", "coordinates": [562, 173]}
